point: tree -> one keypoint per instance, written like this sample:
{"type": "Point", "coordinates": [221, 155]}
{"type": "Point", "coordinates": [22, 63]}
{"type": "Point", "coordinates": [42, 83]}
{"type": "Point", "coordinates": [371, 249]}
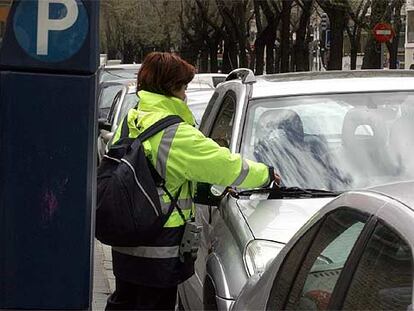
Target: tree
{"type": "Point", "coordinates": [267, 14]}
{"type": "Point", "coordinates": [397, 24]}
{"type": "Point", "coordinates": [337, 11]}
{"type": "Point", "coordinates": [131, 28]}
{"type": "Point", "coordinates": [372, 53]}
{"type": "Point", "coordinates": [358, 20]}
{"type": "Point", "coordinates": [301, 46]}
{"type": "Point", "coordinates": [285, 35]}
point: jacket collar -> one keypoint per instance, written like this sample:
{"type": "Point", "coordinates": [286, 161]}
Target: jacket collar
{"type": "Point", "coordinates": [153, 102]}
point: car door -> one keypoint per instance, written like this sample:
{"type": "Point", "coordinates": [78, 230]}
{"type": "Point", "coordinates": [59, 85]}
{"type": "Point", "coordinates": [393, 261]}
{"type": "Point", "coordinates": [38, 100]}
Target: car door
{"type": "Point", "coordinates": [105, 134]}
{"type": "Point", "coordinates": [383, 277]}
{"type": "Point", "coordinates": [221, 133]}
{"type": "Point", "coordinates": [220, 126]}
{"type": "Point", "coordinates": [307, 277]}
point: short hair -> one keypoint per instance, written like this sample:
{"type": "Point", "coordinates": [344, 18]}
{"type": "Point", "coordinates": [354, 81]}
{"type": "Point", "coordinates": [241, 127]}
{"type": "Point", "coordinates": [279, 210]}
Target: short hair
{"type": "Point", "coordinates": [164, 73]}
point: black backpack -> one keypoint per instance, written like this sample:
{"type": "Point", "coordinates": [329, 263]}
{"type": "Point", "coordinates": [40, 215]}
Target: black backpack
{"type": "Point", "coordinates": [128, 208]}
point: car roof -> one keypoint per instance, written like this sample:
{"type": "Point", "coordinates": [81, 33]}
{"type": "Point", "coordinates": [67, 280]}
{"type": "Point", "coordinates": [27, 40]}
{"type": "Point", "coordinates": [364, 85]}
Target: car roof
{"type": "Point", "coordinates": [122, 66]}
{"type": "Point", "coordinates": [307, 83]}
{"type": "Point", "coordinates": [126, 82]}
{"type": "Point", "coordinates": [400, 191]}
{"type": "Point", "coordinates": [194, 96]}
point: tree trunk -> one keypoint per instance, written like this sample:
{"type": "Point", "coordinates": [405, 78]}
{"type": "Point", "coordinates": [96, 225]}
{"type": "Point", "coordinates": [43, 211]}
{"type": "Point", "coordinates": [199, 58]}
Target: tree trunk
{"type": "Point", "coordinates": [372, 53]}
{"type": "Point", "coordinates": [259, 49]}
{"type": "Point", "coordinates": [229, 56]}
{"type": "Point", "coordinates": [354, 56]}
{"type": "Point", "coordinates": [270, 57]}
{"type": "Point", "coordinates": [337, 22]}
{"type": "Point", "coordinates": [213, 56]}
{"type": "Point", "coordinates": [301, 49]}
{"type": "Point", "coordinates": [277, 59]}
{"type": "Point", "coordinates": [243, 62]}
{"type": "Point", "coordinates": [355, 42]}
{"type": "Point", "coordinates": [393, 45]}
{"type": "Point", "coordinates": [242, 35]}
{"type": "Point", "coordinates": [285, 36]}
{"type": "Point", "coordinates": [204, 60]}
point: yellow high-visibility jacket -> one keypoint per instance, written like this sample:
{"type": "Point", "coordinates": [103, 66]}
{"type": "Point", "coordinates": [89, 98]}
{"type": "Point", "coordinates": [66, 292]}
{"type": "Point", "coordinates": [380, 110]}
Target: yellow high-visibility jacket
{"type": "Point", "coordinates": [182, 155]}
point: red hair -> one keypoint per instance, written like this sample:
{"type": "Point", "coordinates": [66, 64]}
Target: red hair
{"type": "Point", "coordinates": [164, 73]}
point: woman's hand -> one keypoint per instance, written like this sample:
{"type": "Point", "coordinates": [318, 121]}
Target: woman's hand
{"type": "Point", "coordinates": [276, 178]}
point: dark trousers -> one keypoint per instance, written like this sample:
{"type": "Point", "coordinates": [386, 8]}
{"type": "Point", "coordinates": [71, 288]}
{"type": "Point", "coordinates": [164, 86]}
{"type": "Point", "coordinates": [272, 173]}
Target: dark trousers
{"type": "Point", "coordinates": [129, 296]}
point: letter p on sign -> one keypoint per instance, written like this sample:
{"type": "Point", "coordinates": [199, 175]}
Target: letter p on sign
{"type": "Point", "coordinates": [45, 24]}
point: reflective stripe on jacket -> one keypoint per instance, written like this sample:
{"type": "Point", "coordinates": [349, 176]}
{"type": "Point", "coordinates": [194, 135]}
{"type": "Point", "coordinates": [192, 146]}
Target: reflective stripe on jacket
{"type": "Point", "coordinates": [182, 155]}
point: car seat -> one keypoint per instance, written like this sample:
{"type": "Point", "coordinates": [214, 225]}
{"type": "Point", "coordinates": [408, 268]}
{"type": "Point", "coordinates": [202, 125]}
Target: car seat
{"type": "Point", "coordinates": [280, 143]}
{"type": "Point", "coordinates": [401, 141]}
{"type": "Point", "coordinates": [364, 138]}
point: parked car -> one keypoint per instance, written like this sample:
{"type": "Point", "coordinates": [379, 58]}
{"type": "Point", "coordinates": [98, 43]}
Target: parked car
{"type": "Point", "coordinates": [355, 254]}
{"type": "Point", "coordinates": [325, 133]}
{"type": "Point", "coordinates": [206, 80]}
{"type": "Point", "coordinates": [126, 99]}
{"type": "Point", "coordinates": [119, 72]}
{"type": "Point", "coordinates": [107, 92]}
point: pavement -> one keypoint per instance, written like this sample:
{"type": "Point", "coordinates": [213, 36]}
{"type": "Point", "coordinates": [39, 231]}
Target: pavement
{"type": "Point", "coordinates": [104, 280]}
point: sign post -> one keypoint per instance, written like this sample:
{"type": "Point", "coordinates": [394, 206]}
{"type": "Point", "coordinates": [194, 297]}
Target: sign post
{"type": "Point", "coordinates": [383, 33]}
{"type": "Point", "coordinates": [48, 75]}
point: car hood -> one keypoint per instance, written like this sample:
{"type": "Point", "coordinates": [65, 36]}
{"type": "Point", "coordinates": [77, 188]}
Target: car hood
{"type": "Point", "coordinates": [279, 220]}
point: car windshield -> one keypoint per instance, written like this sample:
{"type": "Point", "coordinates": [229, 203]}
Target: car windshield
{"type": "Point", "coordinates": [198, 110]}
{"type": "Point", "coordinates": [197, 102]}
{"type": "Point", "coordinates": [334, 142]}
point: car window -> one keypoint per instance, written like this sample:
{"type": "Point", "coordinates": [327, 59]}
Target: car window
{"type": "Point", "coordinates": [207, 113]}
{"type": "Point", "coordinates": [130, 101]}
{"type": "Point", "coordinates": [222, 128]}
{"type": "Point", "coordinates": [333, 141]}
{"type": "Point", "coordinates": [289, 268]}
{"type": "Point", "coordinates": [106, 98]}
{"type": "Point", "coordinates": [114, 107]}
{"type": "Point", "coordinates": [325, 259]}
{"type": "Point", "coordinates": [383, 278]}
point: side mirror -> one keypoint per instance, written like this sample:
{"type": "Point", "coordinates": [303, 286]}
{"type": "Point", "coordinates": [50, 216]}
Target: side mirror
{"type": "Point", "coordinates": [209, 195]}
{"type": "Point", "coordinates": [103, 124]}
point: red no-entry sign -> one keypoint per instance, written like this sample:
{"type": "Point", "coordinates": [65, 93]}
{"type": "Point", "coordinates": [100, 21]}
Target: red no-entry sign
{"type": "Point", "coordinates": [383, 32]}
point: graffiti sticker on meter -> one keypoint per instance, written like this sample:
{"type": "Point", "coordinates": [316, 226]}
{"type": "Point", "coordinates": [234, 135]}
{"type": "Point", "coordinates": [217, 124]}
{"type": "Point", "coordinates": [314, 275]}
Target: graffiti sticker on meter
{"type": "Point", "coordinates": [51, 30]}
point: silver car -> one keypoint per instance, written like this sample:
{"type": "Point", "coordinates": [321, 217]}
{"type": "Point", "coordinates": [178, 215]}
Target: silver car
{"type": "Point", "coordinates": [355, 254]}
{"type": "Point", "coordinates": [325, 133]}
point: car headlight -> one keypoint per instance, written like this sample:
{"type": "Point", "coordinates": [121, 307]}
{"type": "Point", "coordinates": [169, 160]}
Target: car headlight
{"type": "Point", "coordinates": [258, 253]}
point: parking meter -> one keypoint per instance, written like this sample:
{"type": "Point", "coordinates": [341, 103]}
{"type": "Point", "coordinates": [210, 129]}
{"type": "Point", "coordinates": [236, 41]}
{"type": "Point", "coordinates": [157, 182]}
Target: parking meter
{"type": "Point", "coordinates": [48, 76]}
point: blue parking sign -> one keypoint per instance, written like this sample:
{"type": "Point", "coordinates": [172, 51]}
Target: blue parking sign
{"type": "Point", "coordinates": [51, 30]}
{"type": "Point", "coordinates": [49, 58]}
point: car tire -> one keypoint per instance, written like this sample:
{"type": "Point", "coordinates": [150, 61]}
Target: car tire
{"type": "Point", "coordinates": [209, 296]}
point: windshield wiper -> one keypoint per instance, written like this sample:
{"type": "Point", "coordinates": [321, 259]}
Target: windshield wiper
{"type": "Point", "coordinates": [290, 192]}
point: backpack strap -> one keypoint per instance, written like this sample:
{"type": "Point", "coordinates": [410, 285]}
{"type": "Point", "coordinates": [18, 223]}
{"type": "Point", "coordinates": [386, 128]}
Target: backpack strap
{"type": "Point", "coordinates": [159, 126]}
{"type": "Point", "coordinates": [153, 129]}
{"type": "Point", "coordinates": [125, 128]}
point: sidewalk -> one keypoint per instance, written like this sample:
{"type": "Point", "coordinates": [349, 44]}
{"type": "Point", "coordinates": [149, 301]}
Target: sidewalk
{"type": "Point", "coordinates": [104, 280]}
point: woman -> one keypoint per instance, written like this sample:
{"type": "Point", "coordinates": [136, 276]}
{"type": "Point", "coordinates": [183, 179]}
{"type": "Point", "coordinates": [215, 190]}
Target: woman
{"type": "Point", "coordinates": [147, 276]}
